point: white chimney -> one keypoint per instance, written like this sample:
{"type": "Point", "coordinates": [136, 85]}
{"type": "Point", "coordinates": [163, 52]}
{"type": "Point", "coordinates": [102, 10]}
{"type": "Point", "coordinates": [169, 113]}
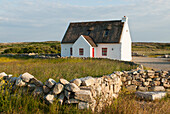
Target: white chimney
{"type": "Point", "coordinates": [125, 19]}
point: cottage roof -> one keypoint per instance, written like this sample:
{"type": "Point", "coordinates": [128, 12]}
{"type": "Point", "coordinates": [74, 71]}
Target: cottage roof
{"type": "Point", "coordinates": [98, 31]}
{"type": "Point", "coordinates": [90, 40]}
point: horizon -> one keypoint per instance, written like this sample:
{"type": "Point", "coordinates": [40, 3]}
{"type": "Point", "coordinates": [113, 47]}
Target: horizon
{"type": "Point", "coordinates": [37, 21]}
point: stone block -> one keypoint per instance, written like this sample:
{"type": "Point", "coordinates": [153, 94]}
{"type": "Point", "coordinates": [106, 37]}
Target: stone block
{"type": "Point", "coordinates": [49, 98]}
{"type": "Point", "coordinates": [20, 83]}
{"type": "Point", "coordinates": [88, 81]}
{"type": "Point", "coordinates": [36, 82]}
{"type": "Point", "coordinates": [50, 83]}
{"type": "Point", "coordinates": [46, 89]}
{"type": "Point", "coordinates": [76, 81]}
{"type": "Point", "coordinates": [141, 88]}
{"type": "Point", "coordinates": [157, 88]}
{"type": "Point", "coordinates": [64, 81]}
{"type": "Point", "coordinates": [83, 105]}
{"type": "Point", "coordinates": [83, 95]}
{"type": "Point", "coordinates": [72, 87]}
{"type": "Point", "coordinates": [72, 101]}
{"type": "Point", "coordinates": [131, 87]}
{"type": "Point", "coordinates": [58, 88]}
{"type": "Point", "coordinates": [26, 77]}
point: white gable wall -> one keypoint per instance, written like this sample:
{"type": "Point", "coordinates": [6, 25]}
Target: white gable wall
{"type": "Point", "coordinates": [81, 42]}
{"type": "Point", "coordinates": [65, 50]}
{"type": "Point", "coordinates": [113, 51]}
{"type": "Point", "coordinates": [126, 44]}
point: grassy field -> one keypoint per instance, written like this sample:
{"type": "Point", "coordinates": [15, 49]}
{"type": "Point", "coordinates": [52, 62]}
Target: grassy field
{"type": "Point", "coordinates": [151, 49]}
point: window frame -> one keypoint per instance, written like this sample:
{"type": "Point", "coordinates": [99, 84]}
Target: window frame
{"type": "Point", "coordinates": [81, 51]}
{"type": "Point", "coordinates": [104, 51]}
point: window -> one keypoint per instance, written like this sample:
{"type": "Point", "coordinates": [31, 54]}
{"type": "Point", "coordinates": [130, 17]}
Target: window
{"type": "Point", "coordinates": [81, 51]}
{"type": "Point", "coordinates": [106, 32]}
{"type": "Point", "coordinates": [71, 51]}
{"type": "Point", "coordinates": [104, 51]}
{"type": "Point", "coordinates": [89, 31]}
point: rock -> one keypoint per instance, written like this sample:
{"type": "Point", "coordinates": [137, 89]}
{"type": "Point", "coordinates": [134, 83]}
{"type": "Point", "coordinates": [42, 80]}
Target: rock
{"type": "Point", "coordinates": [31, 87]}
{"type": "Point", "coordinates": [2, 74]}
{"type": "Point", "coordinates": [63, 81]}
{"type": "Point", "coordinates": [72, 101]}
{"type": "Point", "coordinates": [166, 85]}
{"type": "Point", "coordinates": [83, 95]}
{"type": "Point", "coordinates": [148, 79]}
{"type": "Point", "coordinates": [26, 77]}
{"type": "Point", "coordinates": [36, 82]}
{"type": "Point", "coordinates": [76, 81]}
{"type": "Point", "coordinates": [20, 83]}
{"type": "Point", "coordinates": [87, 81]}
{"type": "Point", "coordinates": [123, 79]}
{"type": "Point", "coordinates": [150, 95]}
{"type": "Point", "coordinates": [129, 78]}
{"type": "Point", "coordinates": [58, 88]}
{"type": "Point", "coordinates": [83, 105]}
{"type": "Point", "coordinates": [156, 83]}
{"type": "Point", "coordinates": [46, 89]}
{"type": "Point", "coordinates": [157, 88]}
{"type": "Point", "coordinates": [12, 80]}
{"type": "Point", "coordinates": [49, 98]}
{"type": "Point", "coordinates": [61, 98]}
{"type": "Point", "coordinates": [67, 94]}
{"type": "Point", "coordinates": [50, 83]}
{"type": "Point", "coordinates": [145, 83]}
{"type": "Point", "coordinates": [114, 95]}
{"type": "Point", "coordinates": [116, 88]}
{"type": "Point", "coordinates": [141, 88]}
{"type": "Point", "coordinates": [72, 87]}
{"type": "Point", "coordinates": [131, 87]}
{"type": "Point", "coordinates": [38, 91]}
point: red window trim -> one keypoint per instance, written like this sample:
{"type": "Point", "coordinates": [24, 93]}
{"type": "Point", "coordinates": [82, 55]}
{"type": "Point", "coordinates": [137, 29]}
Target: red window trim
{"type": "Point", "coordinates": [104, 51]}
{"type": "Point", "coordinates": [81, 51]}
{"type": "Point", "coordinates": [71, 51]}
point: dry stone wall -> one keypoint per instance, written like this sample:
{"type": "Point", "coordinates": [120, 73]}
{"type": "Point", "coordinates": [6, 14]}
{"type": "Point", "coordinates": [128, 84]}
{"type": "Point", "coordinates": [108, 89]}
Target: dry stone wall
{"type": "Point", "coordinates": [89, 92]}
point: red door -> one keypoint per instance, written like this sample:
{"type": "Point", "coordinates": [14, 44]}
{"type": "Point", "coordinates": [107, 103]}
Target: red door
{"type": "Point", "coordinates": [92, 52]}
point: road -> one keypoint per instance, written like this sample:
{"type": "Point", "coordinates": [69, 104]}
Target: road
{"type": "Point", "coordinates": [155, 63]}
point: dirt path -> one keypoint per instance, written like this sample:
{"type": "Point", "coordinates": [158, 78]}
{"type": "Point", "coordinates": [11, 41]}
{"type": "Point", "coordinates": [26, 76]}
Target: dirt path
{"type": "Point", "coordinates": [155, 63]}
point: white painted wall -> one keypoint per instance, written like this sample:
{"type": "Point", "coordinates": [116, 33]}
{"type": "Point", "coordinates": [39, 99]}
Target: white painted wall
{"type": "Point", "coordinates": [65, 50]}
{"type": "Point", "coordinates": [126, 43]}
{"type": "Point", "coordinates": [81, 42]}
{"type": "Point", "coordinates": [112, 54]}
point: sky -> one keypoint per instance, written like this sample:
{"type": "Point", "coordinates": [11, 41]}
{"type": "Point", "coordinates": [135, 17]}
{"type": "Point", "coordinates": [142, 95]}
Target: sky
{"type": "Point", "coordinates": [47, 20]}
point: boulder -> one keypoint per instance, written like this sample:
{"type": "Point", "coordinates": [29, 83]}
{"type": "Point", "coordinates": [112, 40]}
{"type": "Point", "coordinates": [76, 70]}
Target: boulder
{"type": "Point", "coordinates": [36, 82]}
{"type": "Point", "coordinates": [83, 105]}
{"type": "Point", "coordinates": [157, 88]}
{"type": "Point", "coordinates": [61, 98]}
{"type": "Point", "coordinates": [58, 88]}
{"type": "Point", "coordinates": [63, 81]}
{"type": "Point", "coordinates": [72, 101]}
{"type": "Point", "coordinates": [76, 81]}
{"type": "Point", "coordinates": [146, 83]}
{"type": "Point", "coordinates": [20, 83]}
{"type": "Point", "coordinates": [50, 83]}
{"type": "Point", "coordinates": [46, 89]}
{"type": "Point", "coordinates": [87, 81]}
{"type": "Point", "coordinates": [83, 95]}
{"type": "Point", "coordinates": [49, 98]}
{"type": "Point", "coordinates": [150, 95]}
{"type": "Point", "coordinates": [26, 77]}
{"type": "Point", "coordinates": [72, 87]}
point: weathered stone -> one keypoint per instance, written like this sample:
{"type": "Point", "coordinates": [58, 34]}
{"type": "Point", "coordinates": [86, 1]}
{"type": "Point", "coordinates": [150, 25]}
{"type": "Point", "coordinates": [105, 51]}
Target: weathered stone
{"type": "Point", "coordinates": [72, 87]}
{"type": "Point", "coordinates": [166, 85]}
{"type": "Point", "coordinates": [26, 77]}
{"type": "Point", "coordinates": [12, 80]}
{"type": "Point", "coordinates": [83, 95]}
{"type": "Point", "coordinates": [157, 79]}
{"type": "Point", "coordinates": [20, 83]}
{"type": "Point", "coordinates": [123, 79]}
{"type": "Point", "coordinates": [67, 94]}
{"type": "Point", "coordinates": [141, 88]}
{"type": "Point", "coordinates": [163, 80]}
{"type": "Point", "coordinates": [58, 88]}
{"type": "Point", "coordinates": [72, 101]}
{"type": "Point", "coordinates": [129, 78]}
{"type": "Point", "coordinates": [38, 91]}
{"type": "Point", "coordinates": [148, 79]}
{"type": "Point", "coordinates": [31, 87]}
{"type": "Point", "coordinates": [145, 83]}
{"type": "Point", "coordinates": [156, 83]}
{"type": "Point", "coordinates": [131, 87]}
{"type": "Point", "coordinates": [83, 105]}
{"type": "Point", "coordinates": [36, 82]}
{"type": "Point", "coordinates": [116, 88]}
{"type": "Point", "coordinates": [85, 88]}
{"type": "Point", "coordinates": [142, 79]}
{"type": "Point", "coordinates": [76, 81]}
{"type": "Point", "coordinates": [157, 88]}
{"type": "Point", "coordinates": [115, 95]}
{"type": "Point", "coordinates": [50, 83]}
{"type": "Point", "coordinates": [88, 82]}
{"type": "Point", "coordinates": [61, 98]}
{"type": "Point", "coordinates": [2, 74]}
{"type": "Point", "coordinates": [134, 82]}
{"type": "Point", "coordinates": [49, 98]}
{"type": "Point", "coordinates": [46, 89]}
{"type": "Point", "coordinates": [64, 81]}
{"type": "Point", "coordinates": [150, 95]}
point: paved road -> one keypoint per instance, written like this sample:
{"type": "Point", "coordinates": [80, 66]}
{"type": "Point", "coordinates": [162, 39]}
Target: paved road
{"type": "Point", "coordinates": [155, 63]}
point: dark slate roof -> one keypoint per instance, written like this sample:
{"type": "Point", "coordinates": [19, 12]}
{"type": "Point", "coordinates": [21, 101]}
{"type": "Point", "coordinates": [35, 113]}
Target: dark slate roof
{"type": "Point", "coordinates": [90, 40]}
{"type": "Point", "coordinates": [97, 34]}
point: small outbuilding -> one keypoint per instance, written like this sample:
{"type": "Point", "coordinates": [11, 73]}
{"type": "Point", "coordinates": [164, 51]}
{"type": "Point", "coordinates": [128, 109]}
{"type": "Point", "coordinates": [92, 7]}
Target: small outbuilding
{"type": "Point", "coordinates": [99, 39]}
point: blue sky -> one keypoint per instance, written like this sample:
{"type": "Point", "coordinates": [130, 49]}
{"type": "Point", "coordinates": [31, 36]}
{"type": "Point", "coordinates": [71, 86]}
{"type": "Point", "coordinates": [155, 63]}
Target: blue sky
{"type": "Point", "coordinates": [47, 20]}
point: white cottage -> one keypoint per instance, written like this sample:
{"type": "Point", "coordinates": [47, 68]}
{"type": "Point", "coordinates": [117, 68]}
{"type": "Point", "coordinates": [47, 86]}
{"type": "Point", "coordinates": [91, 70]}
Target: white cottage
{"type": "Point", "coordinates": [99, 39]}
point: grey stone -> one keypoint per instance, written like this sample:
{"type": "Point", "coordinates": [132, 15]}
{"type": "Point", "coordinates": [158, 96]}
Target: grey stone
{"type": "Point", "coordinates": [76, 81]}
{"type": "Point", "coordinates": [131, 87]}
{"type": "Point", "coordinates": [87, 81]}
{"type": "Point", "coordinates": [83, 105]}
{"type": "Point", "coordinates": [83, 95]}
{"type": "Point", "coordinates": [26, 77]}
{"type": "Point", "coordinates": [58, 88]}
{"type": "Point", "coordinates": [67, 94]}
{"type": "Point", "coordinates": [64, 81]}
{"type": "Point", "coordinates": [50, 83]}
{"type": "Point", "coordinates": [61, 98]}
{"type": "Point", "coordinates": [46, 89]}
{"type": "Point", "coordinates": [150, 95]}
{"type": "Point", "coordinates": [38, 91]}
{"type": "Point", "coordinates": [72, 87]}
{"type": "Point", "coordinates": [36, 82]}
{"type": "Point", "coordinates": [72, 101]}
{"type": "Point", "coordinates": [157, 88]}
{"type": "Point", "coordinates": [49, 98]}
{"type": "Point", "coordinates": [31, 87]}
{"type": "Point", "coordinates": [19, 82]}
